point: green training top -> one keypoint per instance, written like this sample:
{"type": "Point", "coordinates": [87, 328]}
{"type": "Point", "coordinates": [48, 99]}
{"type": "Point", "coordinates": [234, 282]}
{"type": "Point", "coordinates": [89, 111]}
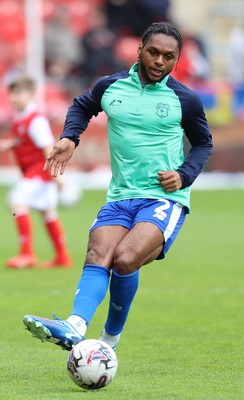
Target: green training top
{"type": "Point", "coordinates": [145, 130]}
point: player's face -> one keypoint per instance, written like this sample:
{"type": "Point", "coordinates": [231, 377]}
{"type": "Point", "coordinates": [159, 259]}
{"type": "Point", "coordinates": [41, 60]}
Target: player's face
{"type": "Point", "coordinates": [20, 98]}
{"type": "Point", "coordinates": [157, 57]}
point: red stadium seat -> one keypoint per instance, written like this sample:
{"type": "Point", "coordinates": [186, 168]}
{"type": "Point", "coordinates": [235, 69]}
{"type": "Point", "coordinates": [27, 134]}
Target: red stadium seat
{"type": "Point", "coordinates": [126, 49]}
{"type": "Point", "coordinates": [80, 16]}
{"type": "Point", "coordinates": [12, 26]}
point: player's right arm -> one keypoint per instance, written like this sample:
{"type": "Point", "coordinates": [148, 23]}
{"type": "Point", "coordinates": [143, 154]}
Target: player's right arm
{"type": "Point", "coordinates": [59, 156]}
{"type": "Point", "coordinates": [83, 109]}
{"type": "Point", "coordinates": [77, 119]}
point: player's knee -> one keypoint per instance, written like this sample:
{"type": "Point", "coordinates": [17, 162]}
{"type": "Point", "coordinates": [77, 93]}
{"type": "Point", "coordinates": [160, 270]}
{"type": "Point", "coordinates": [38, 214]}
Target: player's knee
{"type": "Point", "coordinates": [124, 263]}
{"type": "Point", "coordinates": [94, 256]}
{"type": "Point", "coordinates": [98, 254]}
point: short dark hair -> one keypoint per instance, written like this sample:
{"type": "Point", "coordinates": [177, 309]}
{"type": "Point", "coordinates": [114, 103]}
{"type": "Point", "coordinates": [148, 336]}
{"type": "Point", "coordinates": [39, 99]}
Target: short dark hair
{"type": "Point", "coordinates": [23, 82]}
{"type": "Point", "coordinates": [166, 29]}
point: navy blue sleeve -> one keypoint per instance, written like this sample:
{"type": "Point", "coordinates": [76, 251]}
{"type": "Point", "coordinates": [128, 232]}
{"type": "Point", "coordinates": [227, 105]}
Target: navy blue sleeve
{"type": "Point", "coordinates": [85, 107]}
{"type": "Point", "coordinates": [197, 131]}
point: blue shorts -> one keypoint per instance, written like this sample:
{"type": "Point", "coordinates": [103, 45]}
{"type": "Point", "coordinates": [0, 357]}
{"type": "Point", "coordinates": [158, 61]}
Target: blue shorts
{"type": "Point", "coordinates": [167, 215]}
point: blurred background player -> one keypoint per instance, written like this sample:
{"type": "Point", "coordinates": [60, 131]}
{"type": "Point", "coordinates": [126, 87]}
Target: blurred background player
{"type": "Point", "coordinates": [31, 141]}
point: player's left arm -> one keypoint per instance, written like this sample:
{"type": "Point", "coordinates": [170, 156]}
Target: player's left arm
{"type": "Point", "coordinates": [196, 128]}
{"type": "Point", "coordinates": [169, 180]}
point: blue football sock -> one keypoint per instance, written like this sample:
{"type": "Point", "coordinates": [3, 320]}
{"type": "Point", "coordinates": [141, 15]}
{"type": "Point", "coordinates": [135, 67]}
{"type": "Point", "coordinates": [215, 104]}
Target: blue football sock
{"type": "Point", "coordinates": [122, 291]}
{"type": "Point", "coordinates": [91, 290]}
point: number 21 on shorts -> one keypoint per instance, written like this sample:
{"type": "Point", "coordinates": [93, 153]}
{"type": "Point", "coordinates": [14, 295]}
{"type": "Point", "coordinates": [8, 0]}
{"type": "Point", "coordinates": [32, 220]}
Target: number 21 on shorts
{"type": "Point", "coordinates": [160, 210]}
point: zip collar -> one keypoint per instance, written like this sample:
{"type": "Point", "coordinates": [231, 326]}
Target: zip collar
{"type": "Point", "coordinates": [133, 72]}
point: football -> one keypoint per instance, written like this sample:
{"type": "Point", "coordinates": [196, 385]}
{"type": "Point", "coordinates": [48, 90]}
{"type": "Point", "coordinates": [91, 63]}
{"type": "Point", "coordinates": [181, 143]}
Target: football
{"type": "Point", "coordinates": [92, 364]}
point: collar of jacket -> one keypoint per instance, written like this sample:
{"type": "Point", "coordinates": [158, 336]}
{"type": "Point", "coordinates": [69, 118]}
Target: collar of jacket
{"type": "Point", "coordinates": [134, 75]}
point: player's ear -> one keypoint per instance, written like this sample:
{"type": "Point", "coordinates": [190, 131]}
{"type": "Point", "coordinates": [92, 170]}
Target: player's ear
{"type": "Point", "coordinates": [139, 51]}
{"type": "Point", "coordinates": [178, 58]}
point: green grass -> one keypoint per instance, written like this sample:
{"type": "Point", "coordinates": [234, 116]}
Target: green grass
{"type": "Point", "coordinates": [184, 336]}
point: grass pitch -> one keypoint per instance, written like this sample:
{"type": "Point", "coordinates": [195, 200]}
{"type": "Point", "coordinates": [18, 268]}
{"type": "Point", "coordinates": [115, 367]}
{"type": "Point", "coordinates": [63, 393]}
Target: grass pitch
{"type": "Point", "coordinates": [184, 336]}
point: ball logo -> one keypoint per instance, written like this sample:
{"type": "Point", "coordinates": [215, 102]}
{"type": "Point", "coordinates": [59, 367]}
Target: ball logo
{"type": "Point", "coordinates": [162, 109]}
{"type": "Point", "coordinates": [96, 355]}
{"type": "Point", "coordinates": [101, 383]}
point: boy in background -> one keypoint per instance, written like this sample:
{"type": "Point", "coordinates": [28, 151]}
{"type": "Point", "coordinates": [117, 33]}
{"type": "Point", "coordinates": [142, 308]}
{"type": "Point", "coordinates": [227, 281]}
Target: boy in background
{"type": "Point", "coordinates": [31, 141]}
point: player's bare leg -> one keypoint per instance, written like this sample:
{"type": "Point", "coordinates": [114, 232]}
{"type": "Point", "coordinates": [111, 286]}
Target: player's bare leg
{"type": "Point", "coordinates": [103, 243]}
{"type": "Point", "coordinates": [141, 245]}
